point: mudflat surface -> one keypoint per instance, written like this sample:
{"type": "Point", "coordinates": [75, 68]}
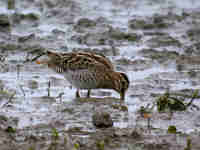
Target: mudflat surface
{"type": "Point", "coordinates": [155, 42]}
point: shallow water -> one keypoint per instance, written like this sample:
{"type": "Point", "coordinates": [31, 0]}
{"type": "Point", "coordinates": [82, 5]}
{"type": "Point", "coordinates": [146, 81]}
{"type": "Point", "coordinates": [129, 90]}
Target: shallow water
{"type": "Point", "coordinates": [32, 108]}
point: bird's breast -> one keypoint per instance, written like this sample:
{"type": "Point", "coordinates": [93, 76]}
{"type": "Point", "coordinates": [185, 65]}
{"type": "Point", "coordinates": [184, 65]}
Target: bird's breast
{"type": "Point", "coordinates": [82, 79]}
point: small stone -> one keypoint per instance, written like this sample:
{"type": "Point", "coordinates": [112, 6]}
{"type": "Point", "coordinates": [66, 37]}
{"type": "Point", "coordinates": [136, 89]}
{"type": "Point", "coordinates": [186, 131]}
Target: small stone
{"type": "Point", "coordinates": [135, 135]}
{"type": "Point", "coordinates": [102, 119]}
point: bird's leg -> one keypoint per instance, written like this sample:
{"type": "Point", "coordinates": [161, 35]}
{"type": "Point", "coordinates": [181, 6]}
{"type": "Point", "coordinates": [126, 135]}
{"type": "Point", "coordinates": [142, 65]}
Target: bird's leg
{"type": "Point", "coordinates": [77, 94]}
{"type": "Point", "coordinates": [88, 93]}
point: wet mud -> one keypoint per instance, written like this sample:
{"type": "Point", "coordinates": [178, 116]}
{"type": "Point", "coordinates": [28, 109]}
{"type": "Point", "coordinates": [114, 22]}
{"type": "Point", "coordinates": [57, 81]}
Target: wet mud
{"type": "Point", "coordinates": [156, 43]}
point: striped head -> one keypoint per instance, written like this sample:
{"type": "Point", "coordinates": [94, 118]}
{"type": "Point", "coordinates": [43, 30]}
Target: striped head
{"type": "Point", "coordinates": [53, 60]}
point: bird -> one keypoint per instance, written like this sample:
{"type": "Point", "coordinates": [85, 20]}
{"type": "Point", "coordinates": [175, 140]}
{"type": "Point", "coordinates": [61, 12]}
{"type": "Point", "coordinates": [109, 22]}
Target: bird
{"type": "Point", "coordinates": [87, 70]}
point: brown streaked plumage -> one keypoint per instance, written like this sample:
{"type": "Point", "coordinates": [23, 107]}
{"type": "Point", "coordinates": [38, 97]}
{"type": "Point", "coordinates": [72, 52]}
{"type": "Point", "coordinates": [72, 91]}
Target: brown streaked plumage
{"type": "Point", "coordinates": [87, 70]}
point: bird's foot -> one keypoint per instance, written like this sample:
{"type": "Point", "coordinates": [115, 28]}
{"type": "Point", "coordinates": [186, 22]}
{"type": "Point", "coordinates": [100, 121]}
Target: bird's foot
{"type": "Point", "coordinates": [88, 93]}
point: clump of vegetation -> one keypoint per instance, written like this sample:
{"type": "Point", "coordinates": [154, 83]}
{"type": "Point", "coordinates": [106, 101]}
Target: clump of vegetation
{"type": "Point", "coordinates": [100, 145]}
{"type": "Point", "coordinates": [76, 146]}
{"type": "Point", "coordinates": [146, 112]}
{"type": "Point", "coordinates": [4, 20]}
{"type": "Point", "coordinates": [85, 22]}
{"type": "Point", "coordinates": [55, 134]}
{"type": "Point", "coordinates": [31, 148]}
{"type": "Point", "coordinates": [9, 95]}
{"type": "Point", "coordinates": [10, 129]}
{"type": "Point", "coordinates": [172, 129]}
{"type": "Point", "coordinates": [11, 4]}
{"type": "Point", "coordinates": [174, 103]}
{"type": "Point", "coordinates": [55, 137]}
{"type": "Point", "coordinates": [189, 145]}
{"type": "Point", "coordinates": [29, 16]}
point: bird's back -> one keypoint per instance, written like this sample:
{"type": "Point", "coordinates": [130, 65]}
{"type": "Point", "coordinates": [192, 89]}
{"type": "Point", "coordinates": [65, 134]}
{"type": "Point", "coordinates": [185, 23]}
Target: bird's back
{"type": "Point", "coordinates": [85, 60]}
{"type": "Point", "coordinates": [84, 70]}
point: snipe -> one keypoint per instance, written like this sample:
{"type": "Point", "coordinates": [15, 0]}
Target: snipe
{"type": "Point", "coordinates": [87, 70]}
